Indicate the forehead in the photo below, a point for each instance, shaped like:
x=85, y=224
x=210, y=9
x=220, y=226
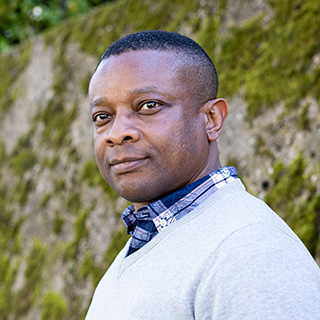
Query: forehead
x=139, y=68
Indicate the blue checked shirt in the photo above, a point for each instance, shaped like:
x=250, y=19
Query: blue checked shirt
x=149, y=220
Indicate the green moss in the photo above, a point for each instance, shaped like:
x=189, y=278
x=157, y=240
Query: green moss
x=56, y=117
x=118, y=240
x=296, y=198
x=269, y=61
x=3, y=153
x=91, y=174
x=36, y=262
x=287, y=182
x=73, y=154
x=34, y=276
x=208, y=32
x=239, y=51
x=273, y=62
x=85, y=83
x=22, y=161
x=303, y=121
x=50, y=163
x=59, y=185
x=7, y=277
x=73, y=202
x=53, y=307
x=98, y=29
x=58, y=223
x=304, y=218
x=90, y=269
x=10, y=223
x=57, y=122
x=262, y=148
x=10, y=237
x=11, y=66
x=22, y=190
x=44, y=200
x=80, y=233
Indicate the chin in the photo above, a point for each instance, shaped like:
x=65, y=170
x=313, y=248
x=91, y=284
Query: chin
x=138, y=195
x=138, y=191
x=135, y=198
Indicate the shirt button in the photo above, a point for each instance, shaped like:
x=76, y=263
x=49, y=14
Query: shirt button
x=163, y=223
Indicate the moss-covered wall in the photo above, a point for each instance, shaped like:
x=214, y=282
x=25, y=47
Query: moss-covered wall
x=60, y=225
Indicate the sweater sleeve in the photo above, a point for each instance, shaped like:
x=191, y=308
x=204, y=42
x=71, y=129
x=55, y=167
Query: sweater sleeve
x=259, y=272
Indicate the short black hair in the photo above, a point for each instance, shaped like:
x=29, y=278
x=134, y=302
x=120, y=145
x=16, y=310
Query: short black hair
x=205, y=79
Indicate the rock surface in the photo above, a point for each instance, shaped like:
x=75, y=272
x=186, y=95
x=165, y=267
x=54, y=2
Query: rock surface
x=60, y=224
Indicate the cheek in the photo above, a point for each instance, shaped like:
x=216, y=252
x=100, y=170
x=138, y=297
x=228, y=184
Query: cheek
x=175, y=145
x=190, y=136
x=96, y=147
x=98, y=142
x=99, y=151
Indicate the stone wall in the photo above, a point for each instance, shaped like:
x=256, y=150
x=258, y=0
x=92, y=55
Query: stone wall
x=60, y=223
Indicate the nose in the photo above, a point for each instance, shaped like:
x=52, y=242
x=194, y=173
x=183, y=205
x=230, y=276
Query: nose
x=123, y=129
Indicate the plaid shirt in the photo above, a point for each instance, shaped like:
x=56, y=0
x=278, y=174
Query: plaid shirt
x=149, y=220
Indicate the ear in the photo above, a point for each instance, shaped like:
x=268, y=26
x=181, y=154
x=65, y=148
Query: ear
x=216, y=112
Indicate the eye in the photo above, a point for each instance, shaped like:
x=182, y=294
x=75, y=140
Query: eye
x=149, y=105
x=100, y=118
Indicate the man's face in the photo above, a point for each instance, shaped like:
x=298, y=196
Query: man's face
x=150, y=134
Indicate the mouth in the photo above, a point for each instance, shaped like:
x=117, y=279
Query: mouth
x=126, y=165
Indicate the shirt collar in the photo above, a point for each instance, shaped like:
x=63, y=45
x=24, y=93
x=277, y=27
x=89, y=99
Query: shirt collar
x=177, y=204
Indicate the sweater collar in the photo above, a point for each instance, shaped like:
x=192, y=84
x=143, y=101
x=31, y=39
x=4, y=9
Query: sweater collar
x=174, y=206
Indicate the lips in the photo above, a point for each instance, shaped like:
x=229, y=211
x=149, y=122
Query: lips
x=126, y=164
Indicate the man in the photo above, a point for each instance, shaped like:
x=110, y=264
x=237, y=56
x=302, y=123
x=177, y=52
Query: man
x=201, y=247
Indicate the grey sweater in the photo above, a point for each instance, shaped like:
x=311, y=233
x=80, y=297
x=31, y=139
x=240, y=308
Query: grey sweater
x=230, y=258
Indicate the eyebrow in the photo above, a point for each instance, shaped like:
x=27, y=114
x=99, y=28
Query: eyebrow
x=135, y=92
x=150, y=89
x=99, y=102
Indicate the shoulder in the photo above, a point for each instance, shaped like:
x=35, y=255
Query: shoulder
x=259, y=266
